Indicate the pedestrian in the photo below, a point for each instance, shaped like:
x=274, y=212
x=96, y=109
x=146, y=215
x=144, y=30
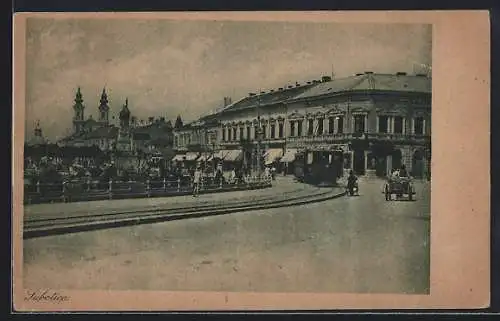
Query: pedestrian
x=196, y=181
x=232, y=176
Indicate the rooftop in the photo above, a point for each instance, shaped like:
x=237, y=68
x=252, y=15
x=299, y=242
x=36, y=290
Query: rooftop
x=371, y=82
x=103, y=132
x=367, y=81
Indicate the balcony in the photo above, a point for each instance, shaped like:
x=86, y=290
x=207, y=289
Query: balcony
x=339, y=139
x=254, y=141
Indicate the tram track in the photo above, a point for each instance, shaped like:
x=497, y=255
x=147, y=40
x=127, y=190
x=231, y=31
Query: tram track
x=200, y=204
x=64, y=225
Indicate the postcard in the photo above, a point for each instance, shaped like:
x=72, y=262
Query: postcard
x=227, y=161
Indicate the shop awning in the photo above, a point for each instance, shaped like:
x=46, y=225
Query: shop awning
x=191, y=156
x=205, y=158
x=221, y=154
x=272, y=154
x=289, y=156
x=233, y=155
x=178, y=158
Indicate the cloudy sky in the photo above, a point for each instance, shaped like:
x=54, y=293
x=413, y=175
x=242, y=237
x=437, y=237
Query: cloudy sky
x=171, y=67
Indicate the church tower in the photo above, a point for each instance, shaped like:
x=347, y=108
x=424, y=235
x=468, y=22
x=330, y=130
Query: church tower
x=38, y=138
x=103, y=109
x=78, y=108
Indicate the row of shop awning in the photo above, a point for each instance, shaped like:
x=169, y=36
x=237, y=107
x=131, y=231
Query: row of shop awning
x=270, y=156
x=227, y=155
x=189, y=156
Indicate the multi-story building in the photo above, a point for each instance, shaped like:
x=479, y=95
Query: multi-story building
x=378, y=121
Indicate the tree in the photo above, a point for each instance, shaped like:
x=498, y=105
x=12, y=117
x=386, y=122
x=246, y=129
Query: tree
x=178, y=122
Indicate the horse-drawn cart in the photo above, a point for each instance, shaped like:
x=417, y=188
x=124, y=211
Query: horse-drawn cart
x=400, y=186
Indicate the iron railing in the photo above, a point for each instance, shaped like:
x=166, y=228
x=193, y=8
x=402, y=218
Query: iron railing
x=81, y=190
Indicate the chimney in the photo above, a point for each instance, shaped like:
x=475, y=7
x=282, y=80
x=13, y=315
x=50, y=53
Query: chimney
x=326, y=78
x=297, y=84
x=400, y=73
x=227, y=101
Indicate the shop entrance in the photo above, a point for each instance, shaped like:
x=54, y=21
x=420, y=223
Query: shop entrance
x=359, y=162
x=418, y=164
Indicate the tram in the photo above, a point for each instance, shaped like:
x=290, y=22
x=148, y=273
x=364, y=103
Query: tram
x=319, y=167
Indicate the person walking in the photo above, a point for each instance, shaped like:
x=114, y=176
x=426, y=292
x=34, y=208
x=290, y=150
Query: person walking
x=196, y=181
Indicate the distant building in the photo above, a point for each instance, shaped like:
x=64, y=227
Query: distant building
x=129, y=136
x=37, y=138
x=378, y=121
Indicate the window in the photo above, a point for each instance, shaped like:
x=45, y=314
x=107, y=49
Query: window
x=299, y=128
x=359, y=123
x=241, y=133
x=273, y=131
x=223, y=134
x=383, y=124
x=320, y=127
x=331, y=125
x=264, y=131
x=292, y=128
x=419, y=126
x=398, y=125
x=310, y=127
x=249, y=133
x=234, y=133
x=340, y=125
x=280, y=130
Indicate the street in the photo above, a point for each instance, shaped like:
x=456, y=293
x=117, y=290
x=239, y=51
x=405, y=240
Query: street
x=350, y=244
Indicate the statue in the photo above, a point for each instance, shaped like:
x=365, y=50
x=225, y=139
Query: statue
x=125, y=116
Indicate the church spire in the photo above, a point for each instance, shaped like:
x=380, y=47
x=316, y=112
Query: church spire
x=104, y=108
x=78, y=110
x=38, y=129
x=104, y=97
x=78, y=96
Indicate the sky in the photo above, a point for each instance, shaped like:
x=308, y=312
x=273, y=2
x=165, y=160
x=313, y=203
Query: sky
x=172, y=67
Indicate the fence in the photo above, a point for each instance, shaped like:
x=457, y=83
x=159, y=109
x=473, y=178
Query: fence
x=87, y=190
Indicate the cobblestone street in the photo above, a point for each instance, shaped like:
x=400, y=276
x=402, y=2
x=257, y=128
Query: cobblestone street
x=350, y=244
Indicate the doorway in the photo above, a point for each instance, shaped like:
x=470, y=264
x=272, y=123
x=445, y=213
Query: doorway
x=359, y=162
x=418, y=164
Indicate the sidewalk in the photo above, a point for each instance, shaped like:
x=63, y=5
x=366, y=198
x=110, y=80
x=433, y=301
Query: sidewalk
x=281, y=185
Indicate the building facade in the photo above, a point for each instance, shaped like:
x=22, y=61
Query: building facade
x=378, y=121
